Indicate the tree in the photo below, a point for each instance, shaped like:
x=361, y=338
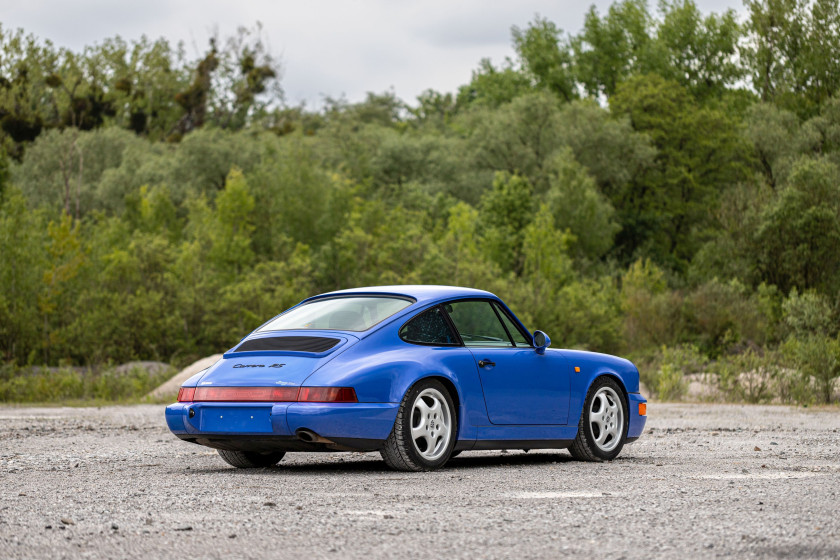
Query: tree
x=700, y=53
x=798, y=235
x=700, y=151
x=546, y=58
x=24, y=111
x=611, y=49
x=519, y=138
x=579, y=208
x=491, y=86
x=22, y=263
x=506, y=210
x=792, y=52
x=233, y=224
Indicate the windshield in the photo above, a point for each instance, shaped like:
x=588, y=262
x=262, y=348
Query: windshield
x=338, y=314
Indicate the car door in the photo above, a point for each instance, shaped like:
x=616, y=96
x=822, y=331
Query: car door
x=520, y=386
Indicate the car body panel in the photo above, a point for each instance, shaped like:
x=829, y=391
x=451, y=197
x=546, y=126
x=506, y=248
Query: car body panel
x=523, y=387
x=526, y=400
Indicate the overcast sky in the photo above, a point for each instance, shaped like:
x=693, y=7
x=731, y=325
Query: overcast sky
x=326, y=47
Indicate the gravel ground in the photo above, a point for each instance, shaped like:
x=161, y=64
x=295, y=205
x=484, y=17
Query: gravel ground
x=704, y=481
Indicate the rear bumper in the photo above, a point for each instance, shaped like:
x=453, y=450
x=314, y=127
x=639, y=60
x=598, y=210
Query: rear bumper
x=637, y=422
x=281, y=422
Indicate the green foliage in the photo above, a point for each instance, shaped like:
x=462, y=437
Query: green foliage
x=668, y=380
x=22, y=263
x=506, y=209
x=546, y=58
x=720, y=314
x=658, y=180
x=519, y=137
x=699, y=151
x=651, y=312
x=701, y=53
x=798, y=235
x=817, y=358
x=587, y=315
x=808, y=314
x=491, y=86
x=59, y=385
x=750, y=377
x=580, y=208
x=612, y=48
x=791, y=51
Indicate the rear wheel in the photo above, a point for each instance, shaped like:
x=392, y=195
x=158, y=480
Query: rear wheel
x=603, y=423
x=249, y=459
x=424, y=431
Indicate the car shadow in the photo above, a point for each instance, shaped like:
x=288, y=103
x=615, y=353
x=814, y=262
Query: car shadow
x=465, y=462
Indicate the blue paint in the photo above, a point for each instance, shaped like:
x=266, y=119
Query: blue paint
x=517, y=395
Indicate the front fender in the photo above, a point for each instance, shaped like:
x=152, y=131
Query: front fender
x=592, y=366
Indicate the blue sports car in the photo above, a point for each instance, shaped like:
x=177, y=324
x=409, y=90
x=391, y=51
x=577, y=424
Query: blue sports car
x=418, y=373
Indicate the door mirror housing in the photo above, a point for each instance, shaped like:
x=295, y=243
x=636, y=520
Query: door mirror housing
x=541, y=341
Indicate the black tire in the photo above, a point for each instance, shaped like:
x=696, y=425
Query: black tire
x=250, y=460
x=601, y=438
x=454, y=454
x=404, y=452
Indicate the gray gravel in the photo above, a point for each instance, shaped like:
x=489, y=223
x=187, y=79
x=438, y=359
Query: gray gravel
x=704, y=481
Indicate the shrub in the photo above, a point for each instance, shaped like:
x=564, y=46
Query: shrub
x=749, y=377
x=817, y=358
x=55, y=385
x=666, y=377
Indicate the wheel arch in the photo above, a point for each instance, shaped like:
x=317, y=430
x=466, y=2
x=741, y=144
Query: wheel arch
x=449, y=385
x=615, y=377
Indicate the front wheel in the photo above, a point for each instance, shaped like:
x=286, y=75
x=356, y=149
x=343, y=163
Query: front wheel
x=603, y=423
x=250, y=460
x=424, y=431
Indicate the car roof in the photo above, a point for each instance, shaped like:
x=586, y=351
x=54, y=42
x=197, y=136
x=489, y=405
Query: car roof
x=421, y=293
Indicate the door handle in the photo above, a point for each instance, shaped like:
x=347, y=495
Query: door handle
x=482, y=363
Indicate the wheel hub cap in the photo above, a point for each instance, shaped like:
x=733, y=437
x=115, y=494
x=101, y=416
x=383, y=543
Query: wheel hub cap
x=431, y=423
x=606, y=419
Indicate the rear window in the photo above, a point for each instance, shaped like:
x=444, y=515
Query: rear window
x=339, y=314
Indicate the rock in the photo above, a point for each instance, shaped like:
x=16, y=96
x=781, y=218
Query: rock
x=171, y=387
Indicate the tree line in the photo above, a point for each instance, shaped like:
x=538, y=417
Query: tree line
x=664, y=184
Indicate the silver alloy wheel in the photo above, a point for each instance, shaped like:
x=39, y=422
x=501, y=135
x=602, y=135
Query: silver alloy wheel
x=431, y=422
x=606, y=418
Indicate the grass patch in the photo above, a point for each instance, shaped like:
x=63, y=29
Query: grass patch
x=82, y=387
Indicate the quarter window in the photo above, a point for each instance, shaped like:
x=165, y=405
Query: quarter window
x=430, y=327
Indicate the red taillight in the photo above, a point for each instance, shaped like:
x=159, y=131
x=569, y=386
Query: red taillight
x=327, y=394
x=267, y=394
x=246, y=394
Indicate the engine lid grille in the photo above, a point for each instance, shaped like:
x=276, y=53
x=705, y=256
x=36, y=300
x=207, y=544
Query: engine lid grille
x=314, y=344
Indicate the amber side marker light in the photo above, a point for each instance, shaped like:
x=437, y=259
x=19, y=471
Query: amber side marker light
x=642, y=409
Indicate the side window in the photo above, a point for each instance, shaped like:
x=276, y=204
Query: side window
x=478, y=324
x=515, y=333
x=430, y=327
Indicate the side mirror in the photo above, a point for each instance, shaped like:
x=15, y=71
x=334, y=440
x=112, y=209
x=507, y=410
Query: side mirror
x=541, y=341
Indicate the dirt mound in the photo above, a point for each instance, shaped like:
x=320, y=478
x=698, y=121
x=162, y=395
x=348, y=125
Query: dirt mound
x=171, y=386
